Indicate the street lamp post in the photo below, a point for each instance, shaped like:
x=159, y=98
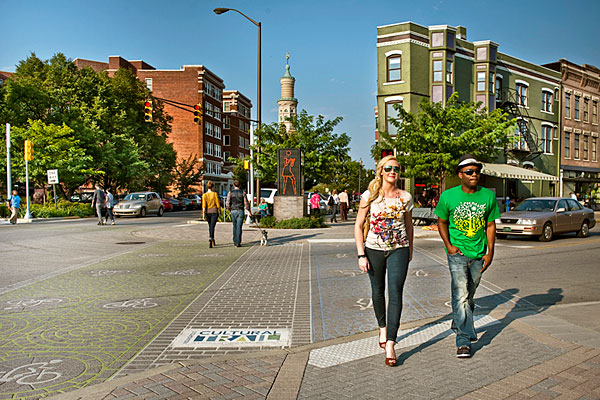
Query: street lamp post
x=219, y=11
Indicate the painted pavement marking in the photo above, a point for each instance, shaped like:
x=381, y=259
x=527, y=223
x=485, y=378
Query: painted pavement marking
x=253, y=337
x=358, y=349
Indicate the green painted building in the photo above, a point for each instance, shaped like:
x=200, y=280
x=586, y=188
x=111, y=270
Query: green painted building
x=415, y=62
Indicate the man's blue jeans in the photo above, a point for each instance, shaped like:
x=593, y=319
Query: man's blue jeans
x=237, y=218
x=465, y=275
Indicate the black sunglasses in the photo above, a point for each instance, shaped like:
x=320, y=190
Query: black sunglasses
x=388, y=168
x=471, y=172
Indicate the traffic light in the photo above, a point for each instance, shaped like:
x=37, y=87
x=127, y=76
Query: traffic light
x=28, y=150
x=148, y=111
x=387, y=152
x=198, y=113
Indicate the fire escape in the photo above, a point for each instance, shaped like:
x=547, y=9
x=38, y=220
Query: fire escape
x=527, y=147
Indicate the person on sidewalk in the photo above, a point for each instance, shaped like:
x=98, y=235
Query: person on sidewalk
x=237, y=203
x=333, y=201
x=344, y=205
x=388, y=247
x=211, y=208
x=466, y=216
x=263, y=208
x=108, y=205
x=14, y=203
x=315, y=205
x=98, y=200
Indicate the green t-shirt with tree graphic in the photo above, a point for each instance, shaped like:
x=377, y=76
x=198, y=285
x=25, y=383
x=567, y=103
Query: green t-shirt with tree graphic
x=467, y=215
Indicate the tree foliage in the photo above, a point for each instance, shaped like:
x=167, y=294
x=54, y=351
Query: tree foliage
x=429, y=143
x=187, y=174
x=104, y=117
x=325, y=153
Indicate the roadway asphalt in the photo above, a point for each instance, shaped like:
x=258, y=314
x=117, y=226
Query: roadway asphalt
x=170, y=318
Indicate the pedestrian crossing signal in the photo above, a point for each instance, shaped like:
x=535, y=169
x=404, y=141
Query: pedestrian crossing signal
x=148, y=111
x=197, y=113
x=387, y=152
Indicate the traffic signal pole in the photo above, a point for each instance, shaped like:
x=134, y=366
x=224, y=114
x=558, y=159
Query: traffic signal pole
x=27, y=214
x=8, y=177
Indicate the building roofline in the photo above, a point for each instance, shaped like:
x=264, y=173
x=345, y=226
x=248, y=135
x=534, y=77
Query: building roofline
x=401, y=23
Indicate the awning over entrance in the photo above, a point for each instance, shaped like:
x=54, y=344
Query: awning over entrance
x=512, y=172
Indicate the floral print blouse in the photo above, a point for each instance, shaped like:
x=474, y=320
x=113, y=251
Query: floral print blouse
x=387, y=228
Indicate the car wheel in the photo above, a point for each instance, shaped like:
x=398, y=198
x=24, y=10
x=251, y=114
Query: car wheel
x=143, y=212
x=160, y=212
x=584, y=231
x=547, y=233
x=501, y=235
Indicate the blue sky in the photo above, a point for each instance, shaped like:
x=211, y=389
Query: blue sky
x=331, y=43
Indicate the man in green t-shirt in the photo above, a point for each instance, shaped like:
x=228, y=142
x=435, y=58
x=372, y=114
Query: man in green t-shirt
x=466, y=216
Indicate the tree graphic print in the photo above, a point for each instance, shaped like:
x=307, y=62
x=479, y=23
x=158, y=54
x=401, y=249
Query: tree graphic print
x=469, y=218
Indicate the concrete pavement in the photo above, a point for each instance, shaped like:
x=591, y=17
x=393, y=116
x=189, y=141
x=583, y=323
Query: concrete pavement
x=522, y=352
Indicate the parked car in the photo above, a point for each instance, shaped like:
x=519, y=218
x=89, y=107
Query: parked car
x=82, y=197
x=167, y=205
x=545, y=216
x=196, y=200
x=139, y=204
x=265, y=193
x=177, y=204
x=187, y=203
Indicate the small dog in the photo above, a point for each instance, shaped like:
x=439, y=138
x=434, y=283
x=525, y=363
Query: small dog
x=263, y=239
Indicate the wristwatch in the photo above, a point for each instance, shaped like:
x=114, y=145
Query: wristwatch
x=361, y=255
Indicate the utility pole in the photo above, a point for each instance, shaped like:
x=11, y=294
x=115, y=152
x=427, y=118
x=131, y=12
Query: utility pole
x=8, y=178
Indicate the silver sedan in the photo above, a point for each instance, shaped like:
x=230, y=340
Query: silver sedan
x=545, y=216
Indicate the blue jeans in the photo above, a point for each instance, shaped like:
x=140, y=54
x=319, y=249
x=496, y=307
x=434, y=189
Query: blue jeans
x=395, y=263
x=237, y=218
x=465, y=275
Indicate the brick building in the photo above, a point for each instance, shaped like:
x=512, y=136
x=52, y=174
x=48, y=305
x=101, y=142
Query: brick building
x=183, y=88
x=415, y=62
x=236, y=127
x=579, y=163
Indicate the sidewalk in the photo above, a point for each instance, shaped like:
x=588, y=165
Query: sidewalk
x=521, y=353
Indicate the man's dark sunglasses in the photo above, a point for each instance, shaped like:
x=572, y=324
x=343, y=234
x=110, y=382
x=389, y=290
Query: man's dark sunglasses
x=471, y=171
x=388, y=168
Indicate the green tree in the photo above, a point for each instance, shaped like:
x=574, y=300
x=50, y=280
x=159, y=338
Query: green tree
x=430, y=142
x=55, y=147
x=187, y=174
x=324, y=152
x=105, y=115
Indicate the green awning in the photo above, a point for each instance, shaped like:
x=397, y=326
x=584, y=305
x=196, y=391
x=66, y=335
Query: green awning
x=512, y=172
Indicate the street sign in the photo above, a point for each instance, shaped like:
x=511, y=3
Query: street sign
x=52, y=176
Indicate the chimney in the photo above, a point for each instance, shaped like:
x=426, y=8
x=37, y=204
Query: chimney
x=461, y=32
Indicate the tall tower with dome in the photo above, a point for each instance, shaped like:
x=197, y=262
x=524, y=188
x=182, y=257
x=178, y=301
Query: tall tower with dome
x=288, y=104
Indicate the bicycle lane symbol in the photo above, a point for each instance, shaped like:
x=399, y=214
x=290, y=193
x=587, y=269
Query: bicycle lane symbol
x=32, y=373
x=133, y=303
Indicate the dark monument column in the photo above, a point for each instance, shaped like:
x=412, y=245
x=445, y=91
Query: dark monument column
x=290, y=201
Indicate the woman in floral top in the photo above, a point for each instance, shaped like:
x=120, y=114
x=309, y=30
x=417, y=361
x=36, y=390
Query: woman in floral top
x=388, y=248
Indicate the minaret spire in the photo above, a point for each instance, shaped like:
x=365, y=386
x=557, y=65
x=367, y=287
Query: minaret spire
x=288, y=104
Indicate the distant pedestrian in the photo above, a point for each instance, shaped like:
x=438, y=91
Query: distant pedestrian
x=98, y=200
x=237, y=203
x=108, y=206
x=466, y=225
x=344, y=205
x=386, y=248
x=14, y=202
x=573, y=196
x=315, y=205
x=211, y=207
x=333, y=202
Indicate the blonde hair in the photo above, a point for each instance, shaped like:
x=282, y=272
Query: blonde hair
x=375, y=185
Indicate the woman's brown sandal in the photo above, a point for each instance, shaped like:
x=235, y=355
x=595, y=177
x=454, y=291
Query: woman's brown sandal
x=390, y=362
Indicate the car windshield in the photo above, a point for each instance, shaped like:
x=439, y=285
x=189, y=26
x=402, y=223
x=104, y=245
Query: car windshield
x=536, y=205
x=135, y=196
